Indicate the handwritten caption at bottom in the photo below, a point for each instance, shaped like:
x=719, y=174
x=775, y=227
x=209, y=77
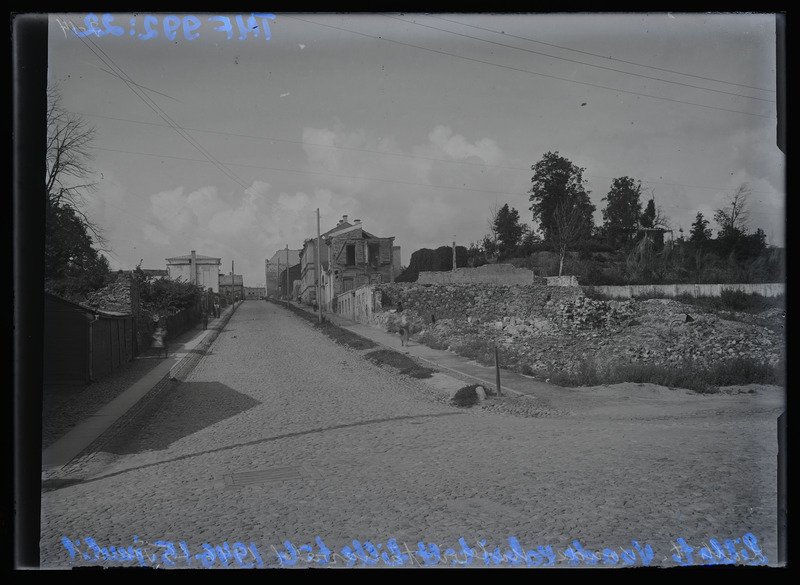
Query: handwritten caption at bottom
x=166, y=554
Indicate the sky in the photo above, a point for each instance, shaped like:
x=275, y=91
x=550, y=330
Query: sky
x=420, y=125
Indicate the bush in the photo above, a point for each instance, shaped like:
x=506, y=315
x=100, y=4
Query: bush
x=165, y=295
x=466, y=397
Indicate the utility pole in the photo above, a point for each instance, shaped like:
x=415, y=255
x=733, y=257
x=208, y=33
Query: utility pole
x=278, y=280
x=266, y=278
x=287, y=274
x=318, y=270
x=454, y=253
x=233, y=293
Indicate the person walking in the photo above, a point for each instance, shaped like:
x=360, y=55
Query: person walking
x=160, y=338
x=205, y=319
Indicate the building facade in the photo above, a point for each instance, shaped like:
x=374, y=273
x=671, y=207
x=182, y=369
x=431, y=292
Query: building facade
x=202, y=271
x=254, y=293
x=276, y=265
x=349, y=257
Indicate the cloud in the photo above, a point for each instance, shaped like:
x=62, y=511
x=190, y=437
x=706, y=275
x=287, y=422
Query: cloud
x=154, y=235
x=458, y=147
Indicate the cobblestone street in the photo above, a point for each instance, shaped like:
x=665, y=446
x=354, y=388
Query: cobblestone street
x=281, y=439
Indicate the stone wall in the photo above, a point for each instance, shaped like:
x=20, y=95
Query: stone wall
x=472, y=302
x=498, y=274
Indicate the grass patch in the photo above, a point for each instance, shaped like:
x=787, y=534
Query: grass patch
x=476, y=348
x=339, y=335
x=734, y=300
x=688, y=375
x=400, y=362
x=345, y=337
x=729, y=300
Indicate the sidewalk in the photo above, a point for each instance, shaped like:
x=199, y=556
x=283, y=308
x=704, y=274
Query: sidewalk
x=511, y=383
x=80, y=437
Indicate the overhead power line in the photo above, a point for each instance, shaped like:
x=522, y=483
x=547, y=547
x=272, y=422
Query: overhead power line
x=581, y=62
x=607, y=57
x=134, y=87
x=519, y=70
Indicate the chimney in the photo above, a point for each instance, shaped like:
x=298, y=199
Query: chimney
x=344, y=218
x=356, y=221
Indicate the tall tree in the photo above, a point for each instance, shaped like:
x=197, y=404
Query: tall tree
x=73, y=264
x=623, y=210
x=648, y=217
x=557, y=181
x=508, y=229
x=700, y=231
x=569, y=227
x=68, y=175
x=733, y=218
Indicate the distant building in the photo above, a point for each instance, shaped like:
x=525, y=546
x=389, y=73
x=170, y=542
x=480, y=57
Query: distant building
x=196, y=269
x=232, y=285
x=294, y=277
x=254, y=293
x=276, y=264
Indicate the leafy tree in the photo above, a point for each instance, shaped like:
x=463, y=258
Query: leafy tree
x=509, y=230
x=558, y=182
x=528, y=243
x=623, y=211
x=73, y=265
x=165, y=296
x=700, y=232
x=648, y=217
x=427, y=260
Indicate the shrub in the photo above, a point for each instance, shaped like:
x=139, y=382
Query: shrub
x=465, y=397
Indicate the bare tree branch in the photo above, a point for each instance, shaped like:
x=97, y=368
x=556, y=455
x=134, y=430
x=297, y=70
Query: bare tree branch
x=68, y=175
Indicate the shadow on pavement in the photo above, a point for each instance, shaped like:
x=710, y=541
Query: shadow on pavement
x=183, y=410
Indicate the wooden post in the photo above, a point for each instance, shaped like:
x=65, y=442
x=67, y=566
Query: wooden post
x=318, y=271
x=287, y=274
x=497, y=371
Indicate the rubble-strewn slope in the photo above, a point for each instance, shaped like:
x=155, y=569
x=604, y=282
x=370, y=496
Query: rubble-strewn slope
x=567, y=334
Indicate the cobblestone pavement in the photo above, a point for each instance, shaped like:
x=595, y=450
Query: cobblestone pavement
x=281, y=444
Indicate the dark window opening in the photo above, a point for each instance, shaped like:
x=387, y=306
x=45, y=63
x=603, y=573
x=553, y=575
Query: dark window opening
x=351, y=255
x=374, y=251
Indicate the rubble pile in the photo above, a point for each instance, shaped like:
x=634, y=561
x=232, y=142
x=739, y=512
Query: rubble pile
x=585, y=313
x=567, y=335
x=115, y=297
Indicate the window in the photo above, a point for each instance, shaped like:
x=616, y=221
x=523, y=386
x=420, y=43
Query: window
x=374, y=251
x=351, y=255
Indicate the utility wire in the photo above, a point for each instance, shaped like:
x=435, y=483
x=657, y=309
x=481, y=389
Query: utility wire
x=582, y=62
x=106, y=59
x=705, y=78
x=517, y=69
